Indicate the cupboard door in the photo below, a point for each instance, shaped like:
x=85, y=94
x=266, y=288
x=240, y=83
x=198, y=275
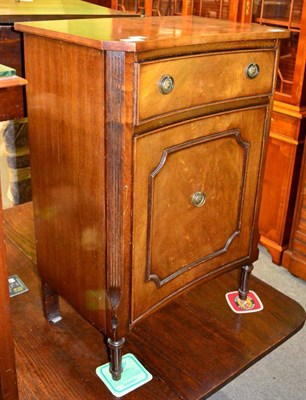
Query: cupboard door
x=195, y=185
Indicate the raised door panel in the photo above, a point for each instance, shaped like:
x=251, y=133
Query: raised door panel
x=175, y=242
x=192, y=183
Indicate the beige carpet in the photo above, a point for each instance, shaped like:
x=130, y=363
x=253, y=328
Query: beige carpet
x=281, y=375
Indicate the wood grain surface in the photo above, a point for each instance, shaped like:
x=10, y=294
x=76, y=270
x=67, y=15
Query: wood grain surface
x=21, y=234
x=144, y=34
x=192, y=346
x=8, y=383
x=68, y=177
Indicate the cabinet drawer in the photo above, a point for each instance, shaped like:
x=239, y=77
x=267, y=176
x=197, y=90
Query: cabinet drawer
x=195, y=83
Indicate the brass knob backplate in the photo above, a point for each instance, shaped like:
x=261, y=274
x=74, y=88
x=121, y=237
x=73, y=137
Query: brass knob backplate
x=166, y=84
x=198, y=199
x=252, y=70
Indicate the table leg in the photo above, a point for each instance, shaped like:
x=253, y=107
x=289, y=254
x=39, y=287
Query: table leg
x=244, y=281
x=50, y=304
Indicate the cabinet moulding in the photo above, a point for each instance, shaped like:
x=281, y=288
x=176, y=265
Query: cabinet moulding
x=150, y=275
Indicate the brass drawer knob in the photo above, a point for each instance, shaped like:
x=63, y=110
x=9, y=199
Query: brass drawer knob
x=252, y=70
x=198, y=199
x=166, y=84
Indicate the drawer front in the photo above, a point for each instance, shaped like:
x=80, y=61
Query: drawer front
x=200, y=80
x=194, y=193
x=11, y=103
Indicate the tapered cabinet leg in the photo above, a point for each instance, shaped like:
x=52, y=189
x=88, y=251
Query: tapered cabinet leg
x=244, y=281
x=50, y=303
x=116, y=357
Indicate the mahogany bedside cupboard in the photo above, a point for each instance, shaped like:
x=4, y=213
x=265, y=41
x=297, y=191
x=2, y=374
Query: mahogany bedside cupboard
x=147, y=142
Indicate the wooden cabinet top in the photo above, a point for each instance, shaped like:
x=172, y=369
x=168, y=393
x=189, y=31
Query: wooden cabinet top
x=12, y=10
x=150, y=33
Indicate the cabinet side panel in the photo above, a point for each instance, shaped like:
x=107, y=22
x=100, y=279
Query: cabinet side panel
x=66, y=136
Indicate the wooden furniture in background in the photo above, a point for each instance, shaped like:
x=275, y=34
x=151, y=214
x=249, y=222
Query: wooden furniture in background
x=204, y=8
x=155, y=187
x=63, y=357
x=148, y=8
x=295, y=256
x=286, y=140
x=9, y=109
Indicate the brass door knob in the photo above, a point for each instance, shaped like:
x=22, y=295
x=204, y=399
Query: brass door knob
x=166, y=84
x=252, y=70
x=198, y=199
